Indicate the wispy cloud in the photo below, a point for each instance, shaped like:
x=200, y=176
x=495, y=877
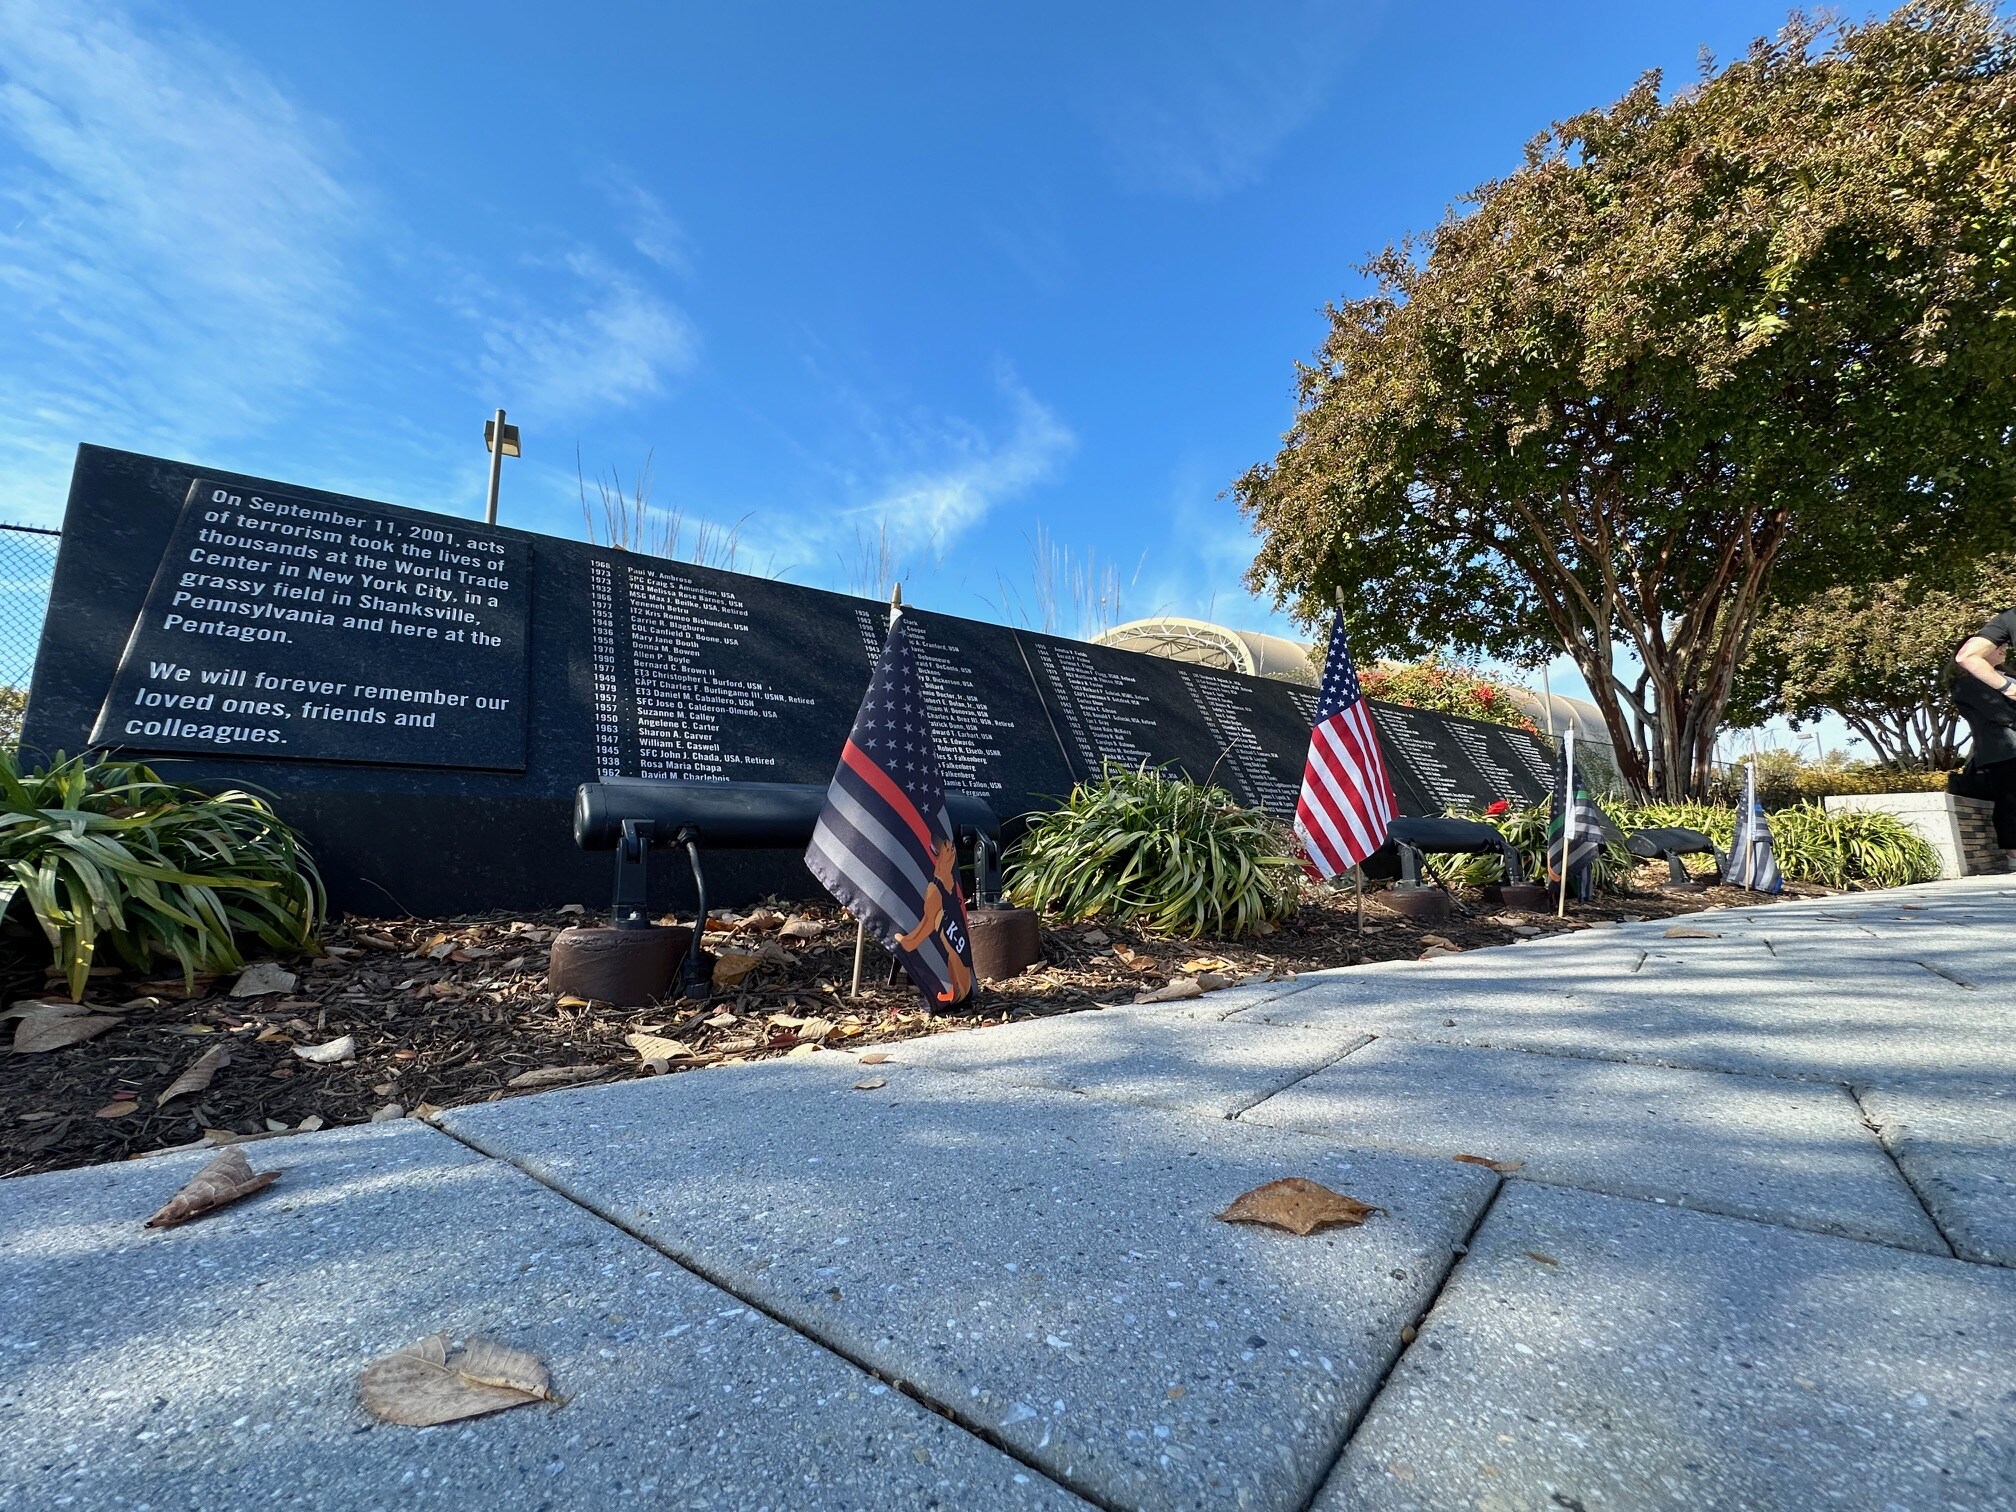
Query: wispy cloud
x=603, y=339
x=971, y=472
x=1207, y=108
x=173, y=234
x=653, y=231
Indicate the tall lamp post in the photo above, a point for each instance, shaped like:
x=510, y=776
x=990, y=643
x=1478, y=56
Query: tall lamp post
x=501, y=441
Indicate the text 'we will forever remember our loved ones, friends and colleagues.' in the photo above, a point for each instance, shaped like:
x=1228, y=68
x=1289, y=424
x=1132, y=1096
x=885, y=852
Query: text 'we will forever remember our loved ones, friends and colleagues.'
x=293, y=628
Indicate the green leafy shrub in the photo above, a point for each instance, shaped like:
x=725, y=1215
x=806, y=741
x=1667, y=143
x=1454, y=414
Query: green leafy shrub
x=13, y=708
x=1447, y=688
x=1783, y=779
x=1159, y=851
x=1854, y=848
x=105, y=852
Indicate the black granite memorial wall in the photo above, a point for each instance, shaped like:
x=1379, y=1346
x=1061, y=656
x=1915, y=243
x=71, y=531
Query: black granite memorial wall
x=422, y=694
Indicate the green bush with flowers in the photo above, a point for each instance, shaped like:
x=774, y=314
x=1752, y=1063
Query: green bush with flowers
x=1446, y=688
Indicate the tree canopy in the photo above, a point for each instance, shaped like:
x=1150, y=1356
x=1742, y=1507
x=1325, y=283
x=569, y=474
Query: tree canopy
x=1878, y=656
x=1757, y=334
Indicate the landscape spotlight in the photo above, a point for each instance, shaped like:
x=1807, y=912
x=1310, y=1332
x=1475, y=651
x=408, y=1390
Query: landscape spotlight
x=501, y=441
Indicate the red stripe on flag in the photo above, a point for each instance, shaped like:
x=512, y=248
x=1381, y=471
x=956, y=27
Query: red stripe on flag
x=894, y=796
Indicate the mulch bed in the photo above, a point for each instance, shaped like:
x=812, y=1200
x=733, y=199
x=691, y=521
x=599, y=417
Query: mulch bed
x=452, y=1011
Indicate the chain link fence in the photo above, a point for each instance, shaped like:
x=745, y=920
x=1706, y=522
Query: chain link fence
x=27, y=561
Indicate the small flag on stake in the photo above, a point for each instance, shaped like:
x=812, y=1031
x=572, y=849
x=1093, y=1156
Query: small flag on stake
x=1753, y=863
x=883, y=844
x=1347, y=804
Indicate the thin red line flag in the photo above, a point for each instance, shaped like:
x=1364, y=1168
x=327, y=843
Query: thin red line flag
x=1347, y=802
x=883, y=845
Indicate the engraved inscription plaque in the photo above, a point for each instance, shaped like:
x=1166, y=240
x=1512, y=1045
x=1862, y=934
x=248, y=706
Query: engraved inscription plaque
x=294, y=629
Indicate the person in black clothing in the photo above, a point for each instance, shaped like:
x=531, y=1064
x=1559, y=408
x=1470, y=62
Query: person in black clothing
x=1986, y=695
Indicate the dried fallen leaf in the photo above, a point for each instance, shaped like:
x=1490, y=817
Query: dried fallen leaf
x=1542, y=1258
x=311, y=1123
x=872, y=1084
x=118, y=1109
x=198, y=1076
x=58, y=1028
x=815, y=1030
x=657, y=1047
x=224, y=1180
x=556, y=1076
x=1502, y=1167
x=1207, y=963
x=875, y=1058
x=571, y=1001
x=344, y=1049
x=732, y=968
x=1442, y=942
x=1688, y=932
x=1180, y=987
x=388, y=1114
x=1134, y=960
x=422, y=1385
x=1297, y=1204
x=262, y=977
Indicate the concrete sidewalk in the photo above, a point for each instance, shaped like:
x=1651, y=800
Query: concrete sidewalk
x=1760, y=1251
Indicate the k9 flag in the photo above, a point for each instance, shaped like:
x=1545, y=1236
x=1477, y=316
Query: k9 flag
x=883, y=845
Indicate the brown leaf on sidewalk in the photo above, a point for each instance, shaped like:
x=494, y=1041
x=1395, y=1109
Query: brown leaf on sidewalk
x=1502, y=1167
x=199, y=1074
x=1688, y=932
x=872, y=1084
x=1297, y=1204
x=58, y=1028
x=875, y=1058
x=1544, y=1259
x=423, y=1384
x=224, y=1180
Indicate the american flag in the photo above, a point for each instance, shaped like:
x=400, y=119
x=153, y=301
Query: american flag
x=883, y=845
x=1347, y=802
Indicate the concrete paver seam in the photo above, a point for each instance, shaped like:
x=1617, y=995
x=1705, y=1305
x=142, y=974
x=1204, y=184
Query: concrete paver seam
x=1564, y=1052
x=1238, y=1114
x=908, y=1389
x=1931, y=1217
x=1462, y=1253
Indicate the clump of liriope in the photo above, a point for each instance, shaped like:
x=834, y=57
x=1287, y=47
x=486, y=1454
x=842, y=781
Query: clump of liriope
x=104, y=853
x=1155, y=850
x=1849, y=848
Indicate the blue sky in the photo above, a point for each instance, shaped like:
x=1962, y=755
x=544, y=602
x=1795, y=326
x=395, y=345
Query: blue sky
x=976, y=277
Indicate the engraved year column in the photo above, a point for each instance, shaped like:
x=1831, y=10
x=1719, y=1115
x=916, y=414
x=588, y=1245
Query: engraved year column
x=608, y=698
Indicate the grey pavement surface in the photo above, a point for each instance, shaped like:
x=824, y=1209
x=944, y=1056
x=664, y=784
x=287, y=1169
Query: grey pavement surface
x=215, y=1365
x=1719, y=1280
x=1044, y=1266
x=1960, y=1153
x=1598, y=1353
x=1786, y=1152
x=1138, y=1055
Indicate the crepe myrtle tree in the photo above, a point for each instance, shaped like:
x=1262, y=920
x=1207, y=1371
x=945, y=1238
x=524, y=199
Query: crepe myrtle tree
x=1758, y=336
x=1878, y=656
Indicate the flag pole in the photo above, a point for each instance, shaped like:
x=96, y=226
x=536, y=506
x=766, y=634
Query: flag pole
x=860, y=927
x=1358, y=872
x=1567, y=815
